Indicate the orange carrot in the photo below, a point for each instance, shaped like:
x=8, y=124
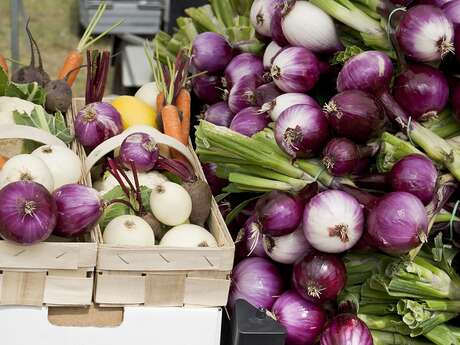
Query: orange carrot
x=183, y=105
x=160, y=102
x=172, y=125
x=3, y=63
x=2, y=161
x=71, y=65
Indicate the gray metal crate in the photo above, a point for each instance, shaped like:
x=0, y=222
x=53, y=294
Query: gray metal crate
x=140, y=16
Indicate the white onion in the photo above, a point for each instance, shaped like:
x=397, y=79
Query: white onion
x=270, y=52
x=288, y=248
x=333, y=221
x=128, y=230
x=260, y=16
x=281, y=103
x=170, y=203
x=65, y=166
x=26, y=168
x=148, y=93
x=188, y=235
x=308, y=26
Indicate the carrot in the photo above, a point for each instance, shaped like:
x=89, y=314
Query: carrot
x=3, y=63
x=73, y=61
x=183, y=101
x=172, y=125
x=160, y=102
x=2, y=161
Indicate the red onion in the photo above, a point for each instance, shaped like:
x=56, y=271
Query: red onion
x=28, y=212
x=249, y=121
x=346, y=329
x=340, y=156
x=211, y=52
x=141, y=149
x=319, y=277
x=279, y=213
x=287, y=249
x=438, y=3
x=355, y=115
x=251, y=238
x=266, y=93
x=422, y=91
x=78, y=209
x=208, y=88
x=242, y=94
x=243, y=65
x=295, y=69
x=333, y=221
x=452, y=11
x=97, y=122
x=261, y=15
x=302, y=319
x=302, y=131
x=398, y=223
x=219, y=114
x=415, y=174
x=256, y=280
x=425, y=33
x=215, y=183
x=269, y=55
x=287, y=100
x=276, y=29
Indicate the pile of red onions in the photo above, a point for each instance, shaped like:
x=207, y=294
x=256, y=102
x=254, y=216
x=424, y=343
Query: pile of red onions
x=249, y=121
x=211, y=52
x=346, y=329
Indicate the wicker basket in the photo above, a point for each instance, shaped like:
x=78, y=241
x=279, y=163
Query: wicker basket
x=49, y=273
x=159, y=276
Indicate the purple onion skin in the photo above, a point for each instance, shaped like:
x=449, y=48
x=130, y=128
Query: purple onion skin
x=215, y=183
x=207, y=88
x=249, y=121
x=219, y=114
x=28, y=212
x=362, y=167
x=398, y=223
x=251, y=239
x=141, y=149
x=457, y=42
x=340, y=156
x=295, y=69
x=78, y=209
x=302, y=319
x=211, y=52
x=422, y=91
x=437, y=3
x=455, y=98
x=319, y=277
x=452, y=11
x=258, y=281
x=415, y=174
x=242, y=65
x=412, y=30
x=279, y=213
x=96, y=123
x=266, y=93
x=276, y=28
x=346, y=329
x=355, y=115
x=302, y=131
x=242, y=95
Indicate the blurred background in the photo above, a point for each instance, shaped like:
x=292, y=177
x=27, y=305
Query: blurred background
x=57, y=26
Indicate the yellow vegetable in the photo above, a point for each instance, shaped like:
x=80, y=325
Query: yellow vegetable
x=133, y=111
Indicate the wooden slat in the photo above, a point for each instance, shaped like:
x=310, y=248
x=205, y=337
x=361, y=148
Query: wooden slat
x=68, y=290
x=120, y=289
x=206, y=291
x=23, y=288
x=165, y=290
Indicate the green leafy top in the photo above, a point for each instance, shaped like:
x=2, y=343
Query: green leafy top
x=31, y=92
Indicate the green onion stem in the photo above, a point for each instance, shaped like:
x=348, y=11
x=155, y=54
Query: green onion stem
x=388, y=338
x=388, y=323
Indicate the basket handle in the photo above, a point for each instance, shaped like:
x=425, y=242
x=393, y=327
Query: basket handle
x=29, y=133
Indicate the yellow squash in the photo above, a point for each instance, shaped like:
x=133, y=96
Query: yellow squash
x=133, y=111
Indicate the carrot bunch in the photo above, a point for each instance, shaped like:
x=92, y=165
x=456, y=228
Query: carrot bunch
x=3, y=63
x=74, y=59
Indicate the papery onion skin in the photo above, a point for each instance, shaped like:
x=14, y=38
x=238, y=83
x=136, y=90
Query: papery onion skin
x=141, y=149
x=302, y=319
x=333, y=221
x=97, y=122
x=425, y=33
x=242, y=95
x=279, y=213
x=346, y=329
x=276, y=27
x=398, y=223
x=295, y=69
x=249, y=121
x=219, y=114
x=287, y=249
x=261, y=15
x=211, y=52
x=251, y=238
x=258, y=281
x=415, y=174
x=28, y=212
x=270, y=52
x=301, y=131
x=340, y=156
x=452, y=11
x=207, y=88
x=243, y=65
x=308, y=26
x=422, y=91
x=78, y=209
x=319, y=277
x=287, y=100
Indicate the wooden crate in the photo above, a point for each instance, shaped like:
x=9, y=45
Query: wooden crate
x=159, y=276
x=49, y=273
